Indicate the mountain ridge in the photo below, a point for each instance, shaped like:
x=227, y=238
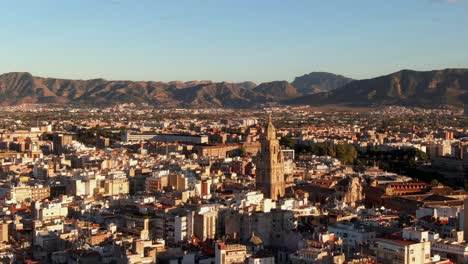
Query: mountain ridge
x=404, y=87
x=316, y=82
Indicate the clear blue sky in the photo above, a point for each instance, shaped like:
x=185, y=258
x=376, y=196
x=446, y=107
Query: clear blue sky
x=232, y=40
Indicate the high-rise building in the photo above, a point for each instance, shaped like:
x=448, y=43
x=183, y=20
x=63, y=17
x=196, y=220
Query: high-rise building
x=270, y=165
x=60, y=141
x=205, y=223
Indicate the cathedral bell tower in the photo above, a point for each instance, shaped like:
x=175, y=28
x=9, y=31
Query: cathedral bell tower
x=270, y=165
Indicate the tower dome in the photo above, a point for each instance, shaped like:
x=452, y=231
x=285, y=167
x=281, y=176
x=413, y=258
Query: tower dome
x=255, y=240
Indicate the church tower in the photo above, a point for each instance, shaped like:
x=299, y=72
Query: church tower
x=270, y=165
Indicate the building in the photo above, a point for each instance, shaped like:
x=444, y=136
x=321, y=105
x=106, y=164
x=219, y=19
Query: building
x=177, y=181
x=465, y=218
x=353, y=236
x=173, y=224
x=39, y=193
x=271, y=227
x=261, y=259
x=288, y=154
x=441, y=212
x=23, y=193
x=19, y=194
x=315, y=255
x=50, y=210
x=3, y=232
x=349, y=190
x=205, y=223
x=189, y=139
x=102, y=142
x=403, y=188
x=156, y=182
x=137, y=225
x=82, y=187
x=453, y=169
x=248, y=122
x=400, y=251
x=136, y=137
x=230, y=254
x=117, y=186
x=456, y=251
x=246, y=199
x=181, y=230
x=270, y=165
x=448, y=135
x=60, y=141
x=172, y=138
x=220, y=151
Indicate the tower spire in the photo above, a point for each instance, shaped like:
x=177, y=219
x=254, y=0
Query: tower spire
x=270, y=133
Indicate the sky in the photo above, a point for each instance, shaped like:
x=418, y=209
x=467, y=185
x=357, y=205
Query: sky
x=230, y=40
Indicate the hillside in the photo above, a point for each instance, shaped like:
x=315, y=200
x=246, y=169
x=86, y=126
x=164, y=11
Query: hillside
x=277, y=90
x=406, y=87
x=316, y=82
x=18, y=87
x=216, y=95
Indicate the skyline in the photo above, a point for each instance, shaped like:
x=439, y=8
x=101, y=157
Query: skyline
x=226, y=41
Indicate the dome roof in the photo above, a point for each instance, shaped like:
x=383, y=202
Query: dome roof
x=255, y=240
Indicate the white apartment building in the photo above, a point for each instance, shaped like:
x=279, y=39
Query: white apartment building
x=351, y=234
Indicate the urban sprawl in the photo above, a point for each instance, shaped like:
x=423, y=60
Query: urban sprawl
x=137, y=184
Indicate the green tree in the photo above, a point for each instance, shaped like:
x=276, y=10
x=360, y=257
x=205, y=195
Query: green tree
x=287, y=141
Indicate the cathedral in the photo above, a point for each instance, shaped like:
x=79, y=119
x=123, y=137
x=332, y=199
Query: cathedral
x=270, y=165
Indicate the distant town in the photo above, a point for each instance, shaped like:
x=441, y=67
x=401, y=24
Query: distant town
x=134, y=183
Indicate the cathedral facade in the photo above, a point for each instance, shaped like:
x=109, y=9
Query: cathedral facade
x=270, y=165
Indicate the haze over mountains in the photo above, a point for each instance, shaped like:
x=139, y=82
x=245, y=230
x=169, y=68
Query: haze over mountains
x=406, y=87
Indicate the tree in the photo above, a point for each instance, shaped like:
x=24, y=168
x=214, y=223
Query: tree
x=287, y=141
x=346, y=153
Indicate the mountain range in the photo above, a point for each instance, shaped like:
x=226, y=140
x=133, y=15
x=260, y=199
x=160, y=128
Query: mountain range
x=411, y=88
x=406, y=87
